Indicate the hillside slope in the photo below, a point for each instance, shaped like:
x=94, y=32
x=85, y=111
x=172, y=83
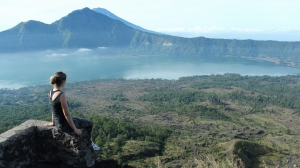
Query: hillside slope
x=178, y=123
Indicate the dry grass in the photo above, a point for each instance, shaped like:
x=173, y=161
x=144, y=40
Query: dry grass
x=210, y=162
x=207, y=161
x=96, y=98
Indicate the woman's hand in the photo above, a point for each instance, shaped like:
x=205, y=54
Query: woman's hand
x=49, y=124
x=78, y=131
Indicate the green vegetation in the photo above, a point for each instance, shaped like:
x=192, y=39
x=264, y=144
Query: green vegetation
x=181, y=102
x=187, y=122
x=15, y=115
x=112, y=135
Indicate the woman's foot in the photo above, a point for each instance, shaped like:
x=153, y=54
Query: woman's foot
x=95, y=147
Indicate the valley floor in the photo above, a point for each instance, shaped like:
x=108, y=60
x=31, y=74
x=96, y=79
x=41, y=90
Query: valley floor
x=179, y=123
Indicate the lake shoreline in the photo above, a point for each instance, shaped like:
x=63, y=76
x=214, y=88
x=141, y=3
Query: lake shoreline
x=36, y=70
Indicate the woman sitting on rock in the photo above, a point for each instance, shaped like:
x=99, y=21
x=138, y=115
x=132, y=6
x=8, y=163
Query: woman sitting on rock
x=61, y=117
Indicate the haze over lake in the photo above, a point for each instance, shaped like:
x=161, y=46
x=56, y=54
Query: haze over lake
x=29, y=69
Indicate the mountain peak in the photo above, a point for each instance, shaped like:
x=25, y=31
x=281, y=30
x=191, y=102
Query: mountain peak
x=115, y=17
x=81, y=11
x=86, y=20
x=86, y=9
x=80, y=28
x=105, y=12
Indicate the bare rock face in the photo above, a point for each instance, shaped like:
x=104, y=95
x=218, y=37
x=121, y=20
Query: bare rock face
x=31, y=143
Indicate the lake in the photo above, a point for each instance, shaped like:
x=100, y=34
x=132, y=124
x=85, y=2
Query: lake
x=35, y=69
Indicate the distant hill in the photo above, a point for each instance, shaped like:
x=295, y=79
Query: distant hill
x=86, y=28
x=81, y=28
x=113, y=16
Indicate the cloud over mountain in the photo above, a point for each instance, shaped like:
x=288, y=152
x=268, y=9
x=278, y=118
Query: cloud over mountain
x=235, y=33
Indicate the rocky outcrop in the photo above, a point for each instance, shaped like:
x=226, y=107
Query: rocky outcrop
x=31, y=143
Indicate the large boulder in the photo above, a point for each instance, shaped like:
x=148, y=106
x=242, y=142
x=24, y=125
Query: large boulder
x=32, y=142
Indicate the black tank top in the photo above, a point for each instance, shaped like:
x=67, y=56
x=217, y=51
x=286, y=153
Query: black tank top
x=58, y=115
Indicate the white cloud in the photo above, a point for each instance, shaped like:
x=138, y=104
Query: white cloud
x=247, y=30
x=83, y=50
x=216, y=29
x=103, y=47
x=234, y=33
x=56, y=55
x=167, y=44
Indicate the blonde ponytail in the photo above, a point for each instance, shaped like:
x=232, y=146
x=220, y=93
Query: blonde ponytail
x=53, y=79
x=58, y=78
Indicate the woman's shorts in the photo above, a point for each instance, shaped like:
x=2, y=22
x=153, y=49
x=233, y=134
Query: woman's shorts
x=80, y=123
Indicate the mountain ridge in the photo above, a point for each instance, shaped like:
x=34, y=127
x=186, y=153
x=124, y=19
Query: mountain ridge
x=86, y=28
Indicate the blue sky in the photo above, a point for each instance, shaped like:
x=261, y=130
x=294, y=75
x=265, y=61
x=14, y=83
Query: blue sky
x=240, y=19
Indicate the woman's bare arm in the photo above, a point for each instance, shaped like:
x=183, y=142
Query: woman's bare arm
x=53, y=122
x=65, y=108
x=50, y=124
